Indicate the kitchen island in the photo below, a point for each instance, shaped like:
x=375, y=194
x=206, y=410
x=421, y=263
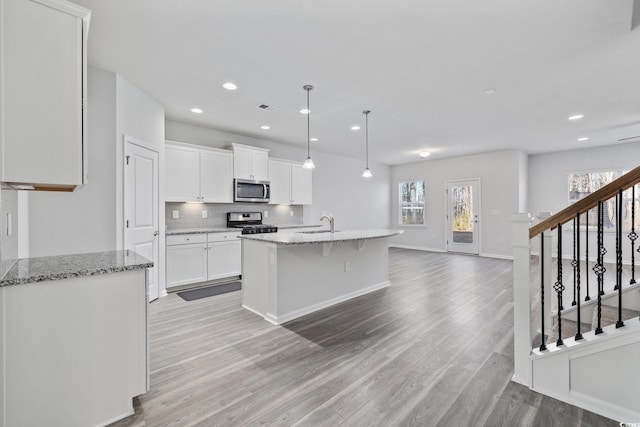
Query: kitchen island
x=73, y=339
x=290, y=274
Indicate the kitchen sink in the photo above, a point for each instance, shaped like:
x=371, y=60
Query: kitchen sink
x=317, y=231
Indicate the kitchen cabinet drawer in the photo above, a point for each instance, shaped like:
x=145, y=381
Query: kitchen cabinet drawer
x=223, y=237
x=183, y=239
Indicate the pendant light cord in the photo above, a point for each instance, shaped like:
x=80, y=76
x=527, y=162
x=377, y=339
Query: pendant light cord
x=308, y=88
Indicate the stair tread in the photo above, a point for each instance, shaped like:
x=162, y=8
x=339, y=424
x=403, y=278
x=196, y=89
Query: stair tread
x=609, y=315
x=569, y=330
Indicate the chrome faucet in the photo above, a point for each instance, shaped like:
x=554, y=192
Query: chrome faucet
x=330, y=218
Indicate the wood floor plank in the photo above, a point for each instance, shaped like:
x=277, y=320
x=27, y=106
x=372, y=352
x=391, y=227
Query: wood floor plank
x=435, y=348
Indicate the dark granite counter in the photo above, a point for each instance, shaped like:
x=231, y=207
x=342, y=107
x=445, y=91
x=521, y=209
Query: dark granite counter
x=30, y=270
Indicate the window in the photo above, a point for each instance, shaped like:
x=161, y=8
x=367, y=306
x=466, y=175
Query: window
x=411, y=203
x=582, y=184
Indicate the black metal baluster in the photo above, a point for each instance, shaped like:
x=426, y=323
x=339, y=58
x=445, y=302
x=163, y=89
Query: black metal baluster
x=586, y=255
x=577, y=282
x=574, y=263
x=599, y=267
x=633, y=235
x=543, y=345
x=558, y=286
x=619, y=323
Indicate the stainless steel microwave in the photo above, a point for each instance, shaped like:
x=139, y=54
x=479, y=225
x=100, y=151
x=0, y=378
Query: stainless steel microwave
x=246, y=190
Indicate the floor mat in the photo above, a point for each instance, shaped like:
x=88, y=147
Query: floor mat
x=210, y=291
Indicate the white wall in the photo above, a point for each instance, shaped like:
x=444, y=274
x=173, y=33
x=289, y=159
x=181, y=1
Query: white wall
x=338, y=187
x=141, y=117
x=91, y=218
x=82, y=221
x=500, y=174
x=548, y=186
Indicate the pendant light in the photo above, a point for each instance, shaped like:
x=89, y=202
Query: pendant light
x=367, y=172
x=308, y=163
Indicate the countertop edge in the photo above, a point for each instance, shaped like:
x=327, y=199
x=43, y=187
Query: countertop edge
x=311, y=239
x=21, y=273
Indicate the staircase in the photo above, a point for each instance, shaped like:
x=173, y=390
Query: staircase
x=577, y=307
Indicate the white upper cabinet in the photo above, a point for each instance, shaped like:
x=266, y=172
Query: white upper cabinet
x=250, y=162
x=280, y=178
x=301, y=185
x=43, y=73
x=182, y=174
x=291, y=184
x=216, y=176
x=198, y=175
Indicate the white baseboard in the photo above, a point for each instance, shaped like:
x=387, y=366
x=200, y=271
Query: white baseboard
x=421, y=248
x=486, y=255
x=416, y=248
x=286, y=317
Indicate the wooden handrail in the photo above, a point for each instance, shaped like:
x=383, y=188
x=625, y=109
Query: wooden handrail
x=627, y=180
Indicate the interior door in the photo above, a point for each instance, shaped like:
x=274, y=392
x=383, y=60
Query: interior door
x=141, y=199
x=463, y=206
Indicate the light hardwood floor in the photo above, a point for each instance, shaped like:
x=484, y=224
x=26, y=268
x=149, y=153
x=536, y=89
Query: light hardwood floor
x=433, y=349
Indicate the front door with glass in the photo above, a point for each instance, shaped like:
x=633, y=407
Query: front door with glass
x=463, y=203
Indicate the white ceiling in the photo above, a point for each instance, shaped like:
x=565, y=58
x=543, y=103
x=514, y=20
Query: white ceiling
x=421, y=66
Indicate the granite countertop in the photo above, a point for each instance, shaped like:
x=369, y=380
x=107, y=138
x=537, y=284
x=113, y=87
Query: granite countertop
x=42, y=269
x=178, y=231
x=301, y=238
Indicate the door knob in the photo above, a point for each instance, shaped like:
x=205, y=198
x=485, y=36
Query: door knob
x=155, y=233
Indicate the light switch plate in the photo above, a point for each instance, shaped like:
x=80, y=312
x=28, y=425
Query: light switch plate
x=176, y=214
x=265, y=214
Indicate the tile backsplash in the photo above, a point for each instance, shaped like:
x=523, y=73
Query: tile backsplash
x=190, y=214
x=8, y=230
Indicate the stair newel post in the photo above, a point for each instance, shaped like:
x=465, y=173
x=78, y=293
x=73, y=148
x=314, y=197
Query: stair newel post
x=633, y=235
x=559, y=287
x=599, y=267
x=586, y=254
x=521, y=298
x=619, y=226
x=543, y=346
x=574, y=263
x=576, y=223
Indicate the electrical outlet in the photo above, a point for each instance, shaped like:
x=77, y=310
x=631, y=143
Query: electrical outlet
x=205, y=214
x=291, y=213
x=265, y=214
x=347, y=267
x=176, y=214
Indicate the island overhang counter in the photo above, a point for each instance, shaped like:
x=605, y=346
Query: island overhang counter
x=287, y=275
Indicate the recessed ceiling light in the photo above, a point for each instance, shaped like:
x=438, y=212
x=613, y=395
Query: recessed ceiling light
x=355, y=127
x=196, y=110
x=314, y=139
x=490, y=91
x=265, y=127
x=584, y=138
x=230, y=86
x=576, y=117
x=424, y=154
x=305, y=111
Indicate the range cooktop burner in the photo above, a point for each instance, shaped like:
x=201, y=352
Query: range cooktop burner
x=249, y=222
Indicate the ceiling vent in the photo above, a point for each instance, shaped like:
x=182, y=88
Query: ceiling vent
x=266, y=107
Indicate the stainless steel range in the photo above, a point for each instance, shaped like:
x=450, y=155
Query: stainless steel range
x=249, y=222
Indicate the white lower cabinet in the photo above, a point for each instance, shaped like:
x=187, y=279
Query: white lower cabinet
x=195, y=258
x=224, y=259
x=186, y=259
